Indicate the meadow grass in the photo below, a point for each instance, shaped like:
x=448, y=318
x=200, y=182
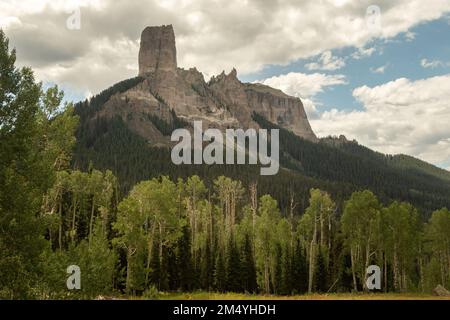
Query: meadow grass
x=330, y=296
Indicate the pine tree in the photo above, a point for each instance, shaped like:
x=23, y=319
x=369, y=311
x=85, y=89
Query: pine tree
x=173, y=271
x=155, y=266
x=206, y=267
x=248, y=270
x=299, y=270
x=345, y=273
x=164, y=272
x=36, y=137
x=220, y=273
x=277, y=278
x=321, y=279
x=233, y=267
x=286, y=286
x=185, y=260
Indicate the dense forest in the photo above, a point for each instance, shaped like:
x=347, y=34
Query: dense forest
x=180, y=235
x=339, y=169
x=146, y=226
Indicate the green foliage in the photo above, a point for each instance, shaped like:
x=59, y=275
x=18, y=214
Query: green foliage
x=96, y=103
x=147, y=223
x=166, y=128
x=233, y=281
x=36, y=137
x=151, y=293
x=248, y=270
x=186, y=279
x=96, y=261
x=360, y=226
x=389, y=177
x=197, y=228
x=321, y=278
x=220, y=275
x=265, y=243
x=437, y=248
x=299, y=271
x=400, y=240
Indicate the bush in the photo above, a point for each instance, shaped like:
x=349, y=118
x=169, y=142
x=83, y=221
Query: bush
x=151, y=293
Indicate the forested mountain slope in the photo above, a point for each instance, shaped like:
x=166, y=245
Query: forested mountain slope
x=339, y=168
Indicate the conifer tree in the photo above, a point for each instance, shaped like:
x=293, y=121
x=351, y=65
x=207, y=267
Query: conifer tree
x=299, y=270
x=321, y=280
x=220, y=273
x=155, y=266
x=185, y=260
x=206, y=271
x=248, y=270
x=233, y=267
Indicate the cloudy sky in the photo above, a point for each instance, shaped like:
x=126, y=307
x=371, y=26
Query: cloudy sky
x=377, y=71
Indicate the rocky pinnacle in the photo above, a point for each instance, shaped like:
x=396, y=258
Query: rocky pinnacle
x=222, y=102
x=157, y=50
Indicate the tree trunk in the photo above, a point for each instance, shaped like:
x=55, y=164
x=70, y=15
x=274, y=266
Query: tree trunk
x=291, y=213
x=322, y=229
x=385, y=272
x=254, y=207
x=352, y=258
x=396, y=272
x=421, y=271
x=149, y=253
x=91, y=222
x=329, y=236
x=160, y=251
x=266, y=277
x=128, y=281
x=60, y=226
x=312, y=256
x=366, y=265
x=73, y=220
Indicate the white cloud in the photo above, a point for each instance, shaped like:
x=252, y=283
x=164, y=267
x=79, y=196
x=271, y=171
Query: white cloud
x=379, y=69
x=363, y=53
x=106, y=61
x=400, y=116
x=211, y=35
x=326, y=62
x=305, y=86
x=410, y=36
x=431, y=64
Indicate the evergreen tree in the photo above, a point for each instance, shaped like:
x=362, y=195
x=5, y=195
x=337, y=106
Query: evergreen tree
x=206, y=272
x=173, y=271
x=321, y=279
x=345, y=273
x=185, y=260
x=36, y=138
x=248, y=270
x=233, y=268
x=155, y=266
x=277, y=281
x=299, y=270
x=220, y=273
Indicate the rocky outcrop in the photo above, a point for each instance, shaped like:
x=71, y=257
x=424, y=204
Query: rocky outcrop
x=223, y=102
x=441, y=291
x=337, y=141
x=157, y=50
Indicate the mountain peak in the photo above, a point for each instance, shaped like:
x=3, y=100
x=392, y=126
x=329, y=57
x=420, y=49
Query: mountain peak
x=223, y=102
x=233, y=73
x=157, y=50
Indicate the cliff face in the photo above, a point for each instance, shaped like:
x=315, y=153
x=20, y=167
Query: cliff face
x=223, y=102
x=157, y=51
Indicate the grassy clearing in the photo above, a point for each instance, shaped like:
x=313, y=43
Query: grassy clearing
x=331, y=296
